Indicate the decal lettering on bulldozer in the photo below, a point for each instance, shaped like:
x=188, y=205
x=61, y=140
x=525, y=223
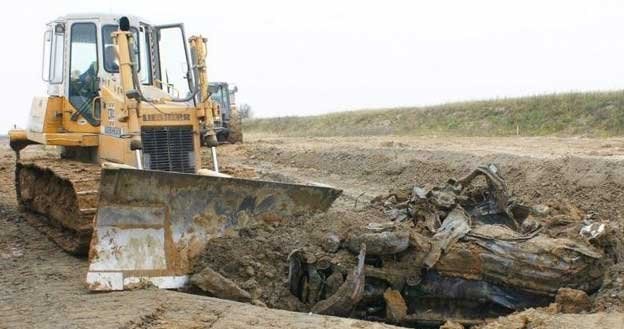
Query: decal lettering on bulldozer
x=167, y=117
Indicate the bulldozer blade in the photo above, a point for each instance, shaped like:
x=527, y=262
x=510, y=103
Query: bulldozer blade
x=149, y=224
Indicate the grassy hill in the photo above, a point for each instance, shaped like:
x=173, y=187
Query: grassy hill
x=585, y=114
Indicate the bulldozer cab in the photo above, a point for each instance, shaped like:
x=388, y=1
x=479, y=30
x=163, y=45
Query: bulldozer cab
x=126, y=89
x=220, y=93
x=79, y=53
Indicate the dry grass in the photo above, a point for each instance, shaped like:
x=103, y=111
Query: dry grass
x=571, y=114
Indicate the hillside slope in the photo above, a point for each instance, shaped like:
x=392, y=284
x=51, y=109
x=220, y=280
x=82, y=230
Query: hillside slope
x=584, y=114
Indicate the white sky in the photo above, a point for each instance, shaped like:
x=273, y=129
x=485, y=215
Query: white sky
x=310, y=57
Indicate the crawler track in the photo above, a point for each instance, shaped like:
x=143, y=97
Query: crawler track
x=60, y=198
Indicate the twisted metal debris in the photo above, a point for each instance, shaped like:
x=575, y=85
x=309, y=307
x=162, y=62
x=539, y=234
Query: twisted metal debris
x=463, y=250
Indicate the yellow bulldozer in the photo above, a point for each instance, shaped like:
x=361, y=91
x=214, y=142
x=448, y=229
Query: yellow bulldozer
x=128, y=104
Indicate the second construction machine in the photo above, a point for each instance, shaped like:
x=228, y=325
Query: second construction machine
x=128, y=103
x=228, y=126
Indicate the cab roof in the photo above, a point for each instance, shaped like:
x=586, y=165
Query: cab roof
x=102, y=17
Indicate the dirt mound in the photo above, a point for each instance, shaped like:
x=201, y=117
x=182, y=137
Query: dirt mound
x=542, y=318
x=572, y=301
x=256, y=257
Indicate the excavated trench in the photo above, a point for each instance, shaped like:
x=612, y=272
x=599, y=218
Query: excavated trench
x=466, y=250
x=507, y=261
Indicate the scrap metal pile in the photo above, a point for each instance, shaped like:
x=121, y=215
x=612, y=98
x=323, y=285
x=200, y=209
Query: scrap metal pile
x=465, y=250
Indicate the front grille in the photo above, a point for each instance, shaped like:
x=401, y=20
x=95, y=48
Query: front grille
x=168, y=148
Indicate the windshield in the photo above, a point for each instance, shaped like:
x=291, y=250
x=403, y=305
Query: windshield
x=140, y=53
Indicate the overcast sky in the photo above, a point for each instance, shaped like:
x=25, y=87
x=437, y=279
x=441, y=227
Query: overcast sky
x=311, y=57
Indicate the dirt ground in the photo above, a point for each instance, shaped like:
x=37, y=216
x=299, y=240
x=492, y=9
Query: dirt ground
x=41, y=286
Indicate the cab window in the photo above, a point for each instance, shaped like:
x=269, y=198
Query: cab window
x=54, y=52
x=145, y=75
x=111, y=61
x=57, y=54
x=174, y=66
x=140, y=52
x=83, y=68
